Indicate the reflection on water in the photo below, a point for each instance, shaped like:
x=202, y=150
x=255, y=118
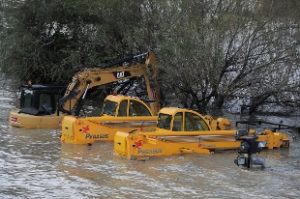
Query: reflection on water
x=34, y=164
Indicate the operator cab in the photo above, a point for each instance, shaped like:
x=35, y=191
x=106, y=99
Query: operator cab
x=124, y=106
x=40, y=99
x=177, y=119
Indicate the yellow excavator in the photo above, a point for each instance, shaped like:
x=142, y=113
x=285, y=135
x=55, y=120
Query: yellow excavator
x=44, y=106
x=181, y=131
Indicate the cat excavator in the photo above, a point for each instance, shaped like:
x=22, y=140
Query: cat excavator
x=44, y=106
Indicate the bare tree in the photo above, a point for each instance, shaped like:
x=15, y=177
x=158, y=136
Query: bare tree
x=227, y=50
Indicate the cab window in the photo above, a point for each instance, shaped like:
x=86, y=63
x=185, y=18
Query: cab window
x=164, y=121
x=109, y=108
x=123, y=108
x=178, y=121
x=27, y=98
x=194, y=123
x=45, y=103
x=138, y=109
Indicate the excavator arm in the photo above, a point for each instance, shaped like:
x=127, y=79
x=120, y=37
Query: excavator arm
x=142, y=65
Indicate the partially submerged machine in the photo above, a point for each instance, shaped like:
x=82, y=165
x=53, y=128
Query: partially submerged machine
x=182, y=131
x=119, y=112
x=38, y=106
x=42, y=116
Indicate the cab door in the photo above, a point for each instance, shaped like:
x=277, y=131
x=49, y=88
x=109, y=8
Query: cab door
x=193, y=122
x=134, y=114
x=137, y=109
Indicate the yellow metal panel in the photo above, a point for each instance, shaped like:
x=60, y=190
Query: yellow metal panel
x=163, y=143
x=91, y=129
x=22, y=120
x=120, y=143
x=67, y=128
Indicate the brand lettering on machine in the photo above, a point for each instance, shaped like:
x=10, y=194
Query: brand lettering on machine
x=121, y=74
x=201, y=145
x=149, y=151
x=96, y=136
x=28, y=92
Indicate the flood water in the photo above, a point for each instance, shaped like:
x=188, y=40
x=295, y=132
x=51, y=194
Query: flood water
x=34, y=164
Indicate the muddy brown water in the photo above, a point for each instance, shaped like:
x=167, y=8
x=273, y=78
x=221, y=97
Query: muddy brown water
x=34, y=164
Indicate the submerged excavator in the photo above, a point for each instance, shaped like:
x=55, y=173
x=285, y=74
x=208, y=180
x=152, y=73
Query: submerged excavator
x=44, y=106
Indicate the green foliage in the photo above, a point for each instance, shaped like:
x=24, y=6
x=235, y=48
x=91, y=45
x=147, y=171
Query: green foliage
x=48, y=40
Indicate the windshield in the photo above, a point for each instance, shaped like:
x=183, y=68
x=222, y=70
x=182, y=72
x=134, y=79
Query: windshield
x=109, y=108
x=164, y=121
